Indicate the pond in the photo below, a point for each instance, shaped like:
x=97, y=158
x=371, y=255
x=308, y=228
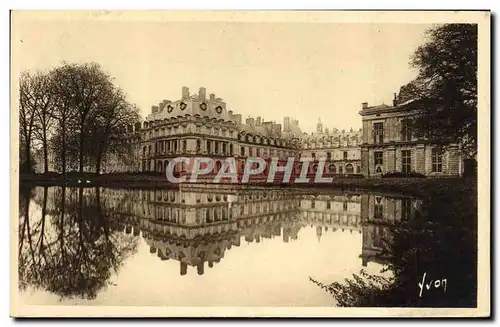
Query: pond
x=213, y=246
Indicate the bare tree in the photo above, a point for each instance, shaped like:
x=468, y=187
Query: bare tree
x=63, y=113
x=44, y=114
x=29, y=99
x=114, y=118
x=85, y=88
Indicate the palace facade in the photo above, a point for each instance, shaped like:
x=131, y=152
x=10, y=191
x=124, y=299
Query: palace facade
x=198, y=125
x=340, y=148
x=389, y=144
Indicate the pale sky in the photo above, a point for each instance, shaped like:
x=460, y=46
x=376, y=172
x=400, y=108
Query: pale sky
x=272, y=69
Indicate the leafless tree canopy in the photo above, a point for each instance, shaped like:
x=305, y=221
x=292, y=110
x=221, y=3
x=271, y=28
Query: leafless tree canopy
x=75, y=113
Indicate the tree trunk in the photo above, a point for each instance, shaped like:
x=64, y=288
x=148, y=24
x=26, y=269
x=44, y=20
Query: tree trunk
x=63, y=146
x=44, y=214
x=45, y=152
x=28, y=156
x=61, y=234
x=80, y=157
x=100, y=152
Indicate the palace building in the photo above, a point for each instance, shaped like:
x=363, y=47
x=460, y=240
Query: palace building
x=340, y=149
x=201, y=126
x=197, y=125
x=389, y=145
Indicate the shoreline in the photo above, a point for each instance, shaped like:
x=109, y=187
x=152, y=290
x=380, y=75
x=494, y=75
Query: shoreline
x=410, y=186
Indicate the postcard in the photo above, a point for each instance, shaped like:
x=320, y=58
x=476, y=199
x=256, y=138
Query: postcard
x=250, y=163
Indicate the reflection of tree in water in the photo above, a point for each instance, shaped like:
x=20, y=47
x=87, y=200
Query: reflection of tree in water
x=74, y=252
x=439, y=240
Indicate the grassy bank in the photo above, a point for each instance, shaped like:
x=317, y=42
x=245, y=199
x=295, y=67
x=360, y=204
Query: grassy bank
x=410, y=186
x=92, y=180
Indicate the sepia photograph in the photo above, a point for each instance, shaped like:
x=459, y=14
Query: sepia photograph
x=250, y=163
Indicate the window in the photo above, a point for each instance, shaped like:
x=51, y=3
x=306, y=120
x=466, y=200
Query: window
x=406, y=205
x=345, y=155
x=224, y=149
x=344, y=206
x=379, y=155
x=242, y=150
x=378, y=133
x=216, y=147
x=328, y=205
x=437, y=160
x=406, y=160
x=349, y=169
x=378, y=236
x=328, y=156
x=184, y=145
x=358, y=170
x=198, y=145
x=230, y=149
x=378, y=212
x=406, y=132
x=341, y=171
x=258, y=152
x=209, y=146
x=313, y=204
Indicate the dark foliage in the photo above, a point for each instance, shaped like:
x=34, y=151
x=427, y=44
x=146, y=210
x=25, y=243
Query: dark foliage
x=400, y=174
x=440, y=240
x=445, y=89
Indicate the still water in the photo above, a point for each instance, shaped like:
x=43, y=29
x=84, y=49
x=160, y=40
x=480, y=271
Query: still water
x=198, y=245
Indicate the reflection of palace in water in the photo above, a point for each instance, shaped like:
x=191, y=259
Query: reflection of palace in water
x=196, y=224
x=378, y=213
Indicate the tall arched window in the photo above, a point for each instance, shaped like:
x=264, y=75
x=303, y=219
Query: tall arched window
x=333, y=169
x=349, y=169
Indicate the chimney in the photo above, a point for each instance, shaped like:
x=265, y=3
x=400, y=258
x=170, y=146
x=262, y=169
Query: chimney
x=230, y=112
x=237, y=118
x=395, y=101
x=364, y=105
x=286, y=124
x=202, y=93
x=185, y=92
x=276, y=129
x=259, y=121
x=212, y=96
x=162, y=105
